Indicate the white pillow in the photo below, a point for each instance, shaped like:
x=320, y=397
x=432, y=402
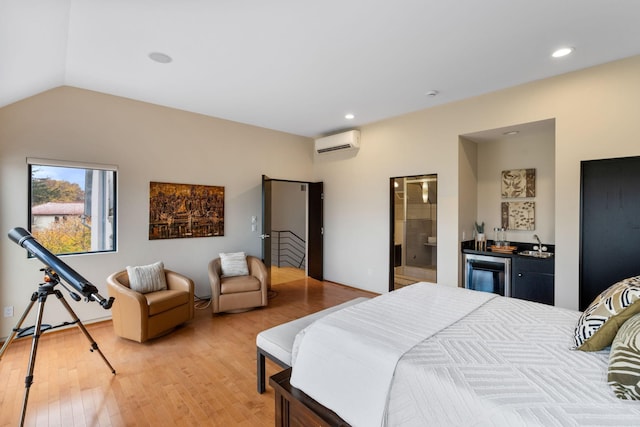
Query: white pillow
x=234, y=264
x=147, y=278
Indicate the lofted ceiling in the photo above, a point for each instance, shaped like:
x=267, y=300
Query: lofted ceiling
x=299, y=66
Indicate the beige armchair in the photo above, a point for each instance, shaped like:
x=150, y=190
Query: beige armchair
x=140, y=317
x=238, y=293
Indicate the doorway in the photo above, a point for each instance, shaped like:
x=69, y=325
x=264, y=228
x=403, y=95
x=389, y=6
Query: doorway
x=414, y=230
x=292, y=245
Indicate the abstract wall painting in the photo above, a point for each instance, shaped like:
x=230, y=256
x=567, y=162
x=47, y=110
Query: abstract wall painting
x=518, y=183
x=519, y=215
x=184, y=210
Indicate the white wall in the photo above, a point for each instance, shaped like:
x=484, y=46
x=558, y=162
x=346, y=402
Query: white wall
x=467, y=192
x=289, y=204
x=356, y=215
x=147, y=143
x=595, y=112
x=530, y=151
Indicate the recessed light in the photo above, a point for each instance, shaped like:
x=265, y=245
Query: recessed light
x=511, y=133
x=160, y=57
x=564, y=51
x=349, y=116
x=432, y=93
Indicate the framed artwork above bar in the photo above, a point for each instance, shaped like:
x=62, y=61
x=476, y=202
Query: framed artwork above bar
x=519, y=215
x=518, y=183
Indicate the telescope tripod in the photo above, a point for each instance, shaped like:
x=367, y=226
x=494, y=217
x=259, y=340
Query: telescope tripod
x=44, y=290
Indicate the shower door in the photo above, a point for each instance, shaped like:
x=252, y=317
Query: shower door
x=414, y=226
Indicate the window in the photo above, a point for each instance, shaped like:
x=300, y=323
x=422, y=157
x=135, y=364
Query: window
x=72, y=206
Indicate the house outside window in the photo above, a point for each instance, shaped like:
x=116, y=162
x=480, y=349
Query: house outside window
x=72, y=206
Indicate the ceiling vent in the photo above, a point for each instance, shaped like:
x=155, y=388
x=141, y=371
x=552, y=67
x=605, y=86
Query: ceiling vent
x=341, y=141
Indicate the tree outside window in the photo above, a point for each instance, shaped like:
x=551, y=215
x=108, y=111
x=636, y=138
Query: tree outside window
x=72, y=207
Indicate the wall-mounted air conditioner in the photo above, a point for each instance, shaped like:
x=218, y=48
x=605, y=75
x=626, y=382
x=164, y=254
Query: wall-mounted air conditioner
x=340, y=141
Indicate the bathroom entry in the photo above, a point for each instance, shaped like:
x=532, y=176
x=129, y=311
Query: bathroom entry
x=414, y=230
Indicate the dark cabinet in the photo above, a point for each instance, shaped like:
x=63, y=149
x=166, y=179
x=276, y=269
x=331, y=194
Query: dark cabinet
x=533, y=279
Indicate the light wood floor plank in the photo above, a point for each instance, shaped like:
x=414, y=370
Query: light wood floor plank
x=202, y=374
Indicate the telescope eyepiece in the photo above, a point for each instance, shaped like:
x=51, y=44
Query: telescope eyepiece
x=107, y=303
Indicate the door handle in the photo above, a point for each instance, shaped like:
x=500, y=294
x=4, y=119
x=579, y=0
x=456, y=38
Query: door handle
x=264, y=236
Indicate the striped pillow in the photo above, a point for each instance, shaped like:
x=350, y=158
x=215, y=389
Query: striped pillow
x=624, y=361
x=234, y=264
x=600, y=322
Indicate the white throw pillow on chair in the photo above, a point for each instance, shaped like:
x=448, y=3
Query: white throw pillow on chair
x=234, y=264
x=147, y=278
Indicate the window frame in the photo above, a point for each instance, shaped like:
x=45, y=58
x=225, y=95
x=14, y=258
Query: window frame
x=35, y=162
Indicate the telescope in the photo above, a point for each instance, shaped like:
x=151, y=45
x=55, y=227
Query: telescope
x=55, y=270
x=23, y=238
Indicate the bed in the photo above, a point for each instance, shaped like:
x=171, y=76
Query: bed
x=444, y=356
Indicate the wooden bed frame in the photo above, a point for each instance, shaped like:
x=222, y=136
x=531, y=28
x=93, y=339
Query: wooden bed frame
x=295, y=409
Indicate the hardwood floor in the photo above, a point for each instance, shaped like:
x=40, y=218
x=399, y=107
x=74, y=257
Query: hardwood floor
x=202, y=374
x=285, y=274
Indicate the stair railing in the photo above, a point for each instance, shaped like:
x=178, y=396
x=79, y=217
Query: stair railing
x=290, y=249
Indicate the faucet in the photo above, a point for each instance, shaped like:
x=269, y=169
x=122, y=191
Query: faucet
x=535, y=236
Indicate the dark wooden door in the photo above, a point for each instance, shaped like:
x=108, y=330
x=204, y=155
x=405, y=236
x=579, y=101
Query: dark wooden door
x=609, y=224
x=316, y=230
x=266, y=224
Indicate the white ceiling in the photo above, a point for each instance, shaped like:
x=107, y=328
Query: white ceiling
x=296, y=65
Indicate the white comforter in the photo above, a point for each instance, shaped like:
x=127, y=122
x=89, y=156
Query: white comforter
x=431, y=355
x=507, y=364
x=346, y=360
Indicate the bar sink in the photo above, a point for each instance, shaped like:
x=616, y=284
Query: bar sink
x=536, y=254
